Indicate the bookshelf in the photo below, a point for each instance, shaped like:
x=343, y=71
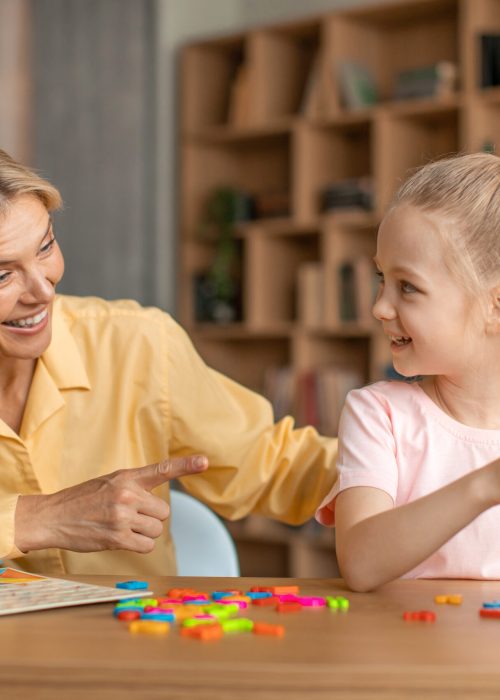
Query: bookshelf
x=266, y=113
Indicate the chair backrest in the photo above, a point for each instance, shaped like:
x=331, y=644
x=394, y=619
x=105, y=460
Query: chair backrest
x=202, y=542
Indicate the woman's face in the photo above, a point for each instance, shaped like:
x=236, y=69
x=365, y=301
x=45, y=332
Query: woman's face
x=31, y=264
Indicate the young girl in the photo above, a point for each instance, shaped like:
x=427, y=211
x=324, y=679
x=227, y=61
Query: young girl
x=419, y=463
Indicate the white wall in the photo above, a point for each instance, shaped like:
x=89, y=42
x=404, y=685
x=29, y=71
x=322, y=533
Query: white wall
x=181, y=21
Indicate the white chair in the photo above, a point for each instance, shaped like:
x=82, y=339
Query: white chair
x=202, y=542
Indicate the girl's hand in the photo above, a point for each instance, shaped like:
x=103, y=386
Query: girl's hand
x=116, y=511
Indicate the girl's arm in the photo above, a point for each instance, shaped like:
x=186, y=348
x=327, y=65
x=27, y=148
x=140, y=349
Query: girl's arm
x=377, y=543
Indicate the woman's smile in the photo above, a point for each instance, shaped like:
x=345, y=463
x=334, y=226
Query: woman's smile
x=28, y=325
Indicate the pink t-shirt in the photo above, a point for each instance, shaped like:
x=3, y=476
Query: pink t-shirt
x=395, y=438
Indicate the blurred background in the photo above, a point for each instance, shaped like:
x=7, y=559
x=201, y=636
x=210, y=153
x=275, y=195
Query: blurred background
x=88, y=96
x=229, y=161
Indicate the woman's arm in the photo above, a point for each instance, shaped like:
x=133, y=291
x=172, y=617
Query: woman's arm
x=377, y=543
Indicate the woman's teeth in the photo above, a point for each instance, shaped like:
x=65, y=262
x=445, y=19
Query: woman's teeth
x=27, y=322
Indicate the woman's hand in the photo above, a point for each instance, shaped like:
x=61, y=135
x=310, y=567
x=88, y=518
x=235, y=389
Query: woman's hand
x=116, y=511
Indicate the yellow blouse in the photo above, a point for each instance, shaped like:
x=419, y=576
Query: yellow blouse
x=122, y=386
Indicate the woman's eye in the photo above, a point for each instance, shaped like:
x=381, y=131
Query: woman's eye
x=379, y=275
x=4, y=276
x=45, y=248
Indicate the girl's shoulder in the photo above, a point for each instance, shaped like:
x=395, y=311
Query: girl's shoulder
x=394, y=392
x=388, y=402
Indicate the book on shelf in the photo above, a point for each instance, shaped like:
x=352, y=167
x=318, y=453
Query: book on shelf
x=357, y=85
x=490, y=59
x=311, y=104
x=334, y=383
x=315, y=396
x=357, y=284
x=279, y=389
x=310, y=294
x=271, y=204
x=321, y=394
x=240, y=98
x=351, y=193
x=434, y=80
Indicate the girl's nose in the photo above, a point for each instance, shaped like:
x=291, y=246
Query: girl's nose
x=383, y=309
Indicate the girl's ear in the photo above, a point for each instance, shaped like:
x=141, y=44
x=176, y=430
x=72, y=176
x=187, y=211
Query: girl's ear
x=493, y=318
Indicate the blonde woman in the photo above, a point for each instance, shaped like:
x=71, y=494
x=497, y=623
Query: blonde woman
x=100, y=405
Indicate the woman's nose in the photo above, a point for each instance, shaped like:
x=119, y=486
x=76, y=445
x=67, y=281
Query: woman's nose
x=39, y=289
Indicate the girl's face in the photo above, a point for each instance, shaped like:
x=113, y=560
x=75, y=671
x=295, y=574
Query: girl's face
x=435, y=326
x=31, y=264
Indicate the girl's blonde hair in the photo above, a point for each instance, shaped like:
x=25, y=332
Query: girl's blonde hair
x=17, y=180
x=465, y=189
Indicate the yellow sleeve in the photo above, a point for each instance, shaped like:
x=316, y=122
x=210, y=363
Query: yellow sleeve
x=256, y=466
x=8, y=549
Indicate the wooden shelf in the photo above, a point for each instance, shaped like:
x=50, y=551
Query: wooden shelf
x=264, y=112
x=240, y=331
x=489, y=95
x=235, y=134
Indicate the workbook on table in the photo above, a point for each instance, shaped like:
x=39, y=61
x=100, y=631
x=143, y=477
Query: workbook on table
x=23, y=592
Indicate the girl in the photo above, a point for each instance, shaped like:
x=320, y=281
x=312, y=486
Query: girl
x=414, y=497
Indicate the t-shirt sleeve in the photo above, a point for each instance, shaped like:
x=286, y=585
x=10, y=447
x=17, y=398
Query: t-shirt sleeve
x=367, y=450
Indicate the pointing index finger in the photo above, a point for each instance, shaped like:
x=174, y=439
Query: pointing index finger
x=156, y=474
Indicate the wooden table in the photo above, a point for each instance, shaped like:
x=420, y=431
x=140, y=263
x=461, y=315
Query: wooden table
x=369, y=652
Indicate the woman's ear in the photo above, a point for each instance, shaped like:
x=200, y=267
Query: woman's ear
x=493, y=316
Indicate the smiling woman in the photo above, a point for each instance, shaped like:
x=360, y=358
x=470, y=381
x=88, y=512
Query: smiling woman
x=90, y=389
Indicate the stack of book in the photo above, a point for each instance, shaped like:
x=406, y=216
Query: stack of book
x=352, y=193
x=315, y=397
x=435, y=80
x=321, y=395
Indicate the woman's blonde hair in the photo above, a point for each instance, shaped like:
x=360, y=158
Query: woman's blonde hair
x=465, y=189
x=17, y=180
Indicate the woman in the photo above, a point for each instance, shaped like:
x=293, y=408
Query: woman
x=91, y=389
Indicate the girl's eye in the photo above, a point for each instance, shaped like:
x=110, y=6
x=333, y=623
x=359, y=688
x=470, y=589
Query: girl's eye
x=379, y=275
x=45, y=248
x=407, y=288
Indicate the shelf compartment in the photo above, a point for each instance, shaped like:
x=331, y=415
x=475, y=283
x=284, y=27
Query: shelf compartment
x=207, y=72
x=355, y=246
x=272, y=266
x=325, y=155
x=406, y=142
x=281, y=60
x=244, y=359
x=482, y=126
x=327, y=368
x=388, y=39
x=479, y=17
x=316, y=350
x=248, y=80
x=255, y=167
